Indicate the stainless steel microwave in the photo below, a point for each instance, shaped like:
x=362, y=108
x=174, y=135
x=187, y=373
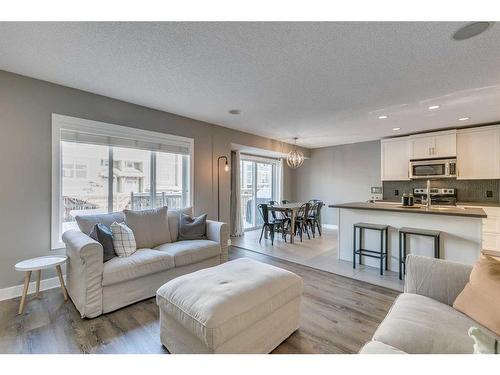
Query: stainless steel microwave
x=433, y=168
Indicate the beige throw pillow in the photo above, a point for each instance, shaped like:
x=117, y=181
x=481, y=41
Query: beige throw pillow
x=480, y=299
x=150, y=227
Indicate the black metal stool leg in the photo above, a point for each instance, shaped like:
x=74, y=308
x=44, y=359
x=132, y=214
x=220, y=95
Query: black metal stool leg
x=354, y=249
x=360, y=244
x=400, y=256
x=386, y=249
x=404, y=253
x=382, y=252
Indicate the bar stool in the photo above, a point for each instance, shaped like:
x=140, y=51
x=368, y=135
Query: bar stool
x=403, y=232
x=381, y=254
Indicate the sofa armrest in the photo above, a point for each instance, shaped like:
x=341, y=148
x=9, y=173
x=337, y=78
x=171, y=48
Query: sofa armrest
x=219, y=232
x=438, y=279
x=84, y=272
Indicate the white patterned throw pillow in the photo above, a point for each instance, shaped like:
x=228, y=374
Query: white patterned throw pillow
x=123, y=240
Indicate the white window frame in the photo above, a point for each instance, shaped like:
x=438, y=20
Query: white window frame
x=60, y=122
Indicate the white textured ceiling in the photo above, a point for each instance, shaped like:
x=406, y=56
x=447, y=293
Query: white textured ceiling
x=324, y=82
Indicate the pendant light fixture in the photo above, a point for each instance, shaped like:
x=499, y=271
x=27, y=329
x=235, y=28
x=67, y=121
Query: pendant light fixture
x=295, y=158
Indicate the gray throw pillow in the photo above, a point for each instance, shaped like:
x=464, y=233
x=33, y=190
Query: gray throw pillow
x=192, y=228
x=150, y=227
x=102, y=234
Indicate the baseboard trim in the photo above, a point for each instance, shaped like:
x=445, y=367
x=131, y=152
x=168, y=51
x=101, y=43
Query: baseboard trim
x=17, y=290
x=330, y=226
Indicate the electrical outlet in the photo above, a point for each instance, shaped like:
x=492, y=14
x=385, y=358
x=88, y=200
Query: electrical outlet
x=396, y=192
x=489, y=193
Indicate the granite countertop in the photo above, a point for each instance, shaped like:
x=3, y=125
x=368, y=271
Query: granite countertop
x=417, y=209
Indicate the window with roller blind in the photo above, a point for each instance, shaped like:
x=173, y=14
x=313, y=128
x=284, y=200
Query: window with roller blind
x=100, y=168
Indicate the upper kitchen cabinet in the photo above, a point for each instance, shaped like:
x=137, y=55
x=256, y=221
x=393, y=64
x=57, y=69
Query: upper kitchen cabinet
x=433, y=145
x=478, y=153
x=395, y=156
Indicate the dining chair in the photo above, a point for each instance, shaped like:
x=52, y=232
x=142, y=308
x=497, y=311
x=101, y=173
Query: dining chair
x=273, y=203
x=280, y=216
x=314, y=218
x=286, y=214
x=273, y=225
x=301, y=220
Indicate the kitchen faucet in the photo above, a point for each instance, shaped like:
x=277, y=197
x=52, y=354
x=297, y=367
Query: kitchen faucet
x=428, y=203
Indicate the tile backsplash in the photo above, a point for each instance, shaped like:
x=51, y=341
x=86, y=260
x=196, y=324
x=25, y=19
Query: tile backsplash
x=478, y=191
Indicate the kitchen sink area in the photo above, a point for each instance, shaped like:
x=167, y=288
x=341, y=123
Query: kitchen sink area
x=421, y=206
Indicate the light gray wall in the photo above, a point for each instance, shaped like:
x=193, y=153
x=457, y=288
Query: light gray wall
x=26, y=106
x=338, y=174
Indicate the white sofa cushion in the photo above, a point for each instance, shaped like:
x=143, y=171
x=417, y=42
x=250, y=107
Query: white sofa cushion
x=86, y=222
x=142, y=262
x=150, y=227
x=191, y=251
x=421, y=325
x=377, y=347
x=216, y=304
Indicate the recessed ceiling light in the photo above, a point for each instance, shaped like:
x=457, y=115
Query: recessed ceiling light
x=471, y=30
x=234, y=111
x=396, y=129
x=464, y=118
x=434, y=107
x=383, y=117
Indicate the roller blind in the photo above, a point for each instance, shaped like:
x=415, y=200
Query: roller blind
x=145, y=141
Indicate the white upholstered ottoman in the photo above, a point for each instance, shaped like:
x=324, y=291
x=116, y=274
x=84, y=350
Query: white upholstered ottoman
x=242, y=306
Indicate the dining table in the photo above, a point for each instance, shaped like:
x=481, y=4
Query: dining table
x=291, y=209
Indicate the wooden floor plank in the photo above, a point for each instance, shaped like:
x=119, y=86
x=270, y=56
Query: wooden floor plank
x=338, y=316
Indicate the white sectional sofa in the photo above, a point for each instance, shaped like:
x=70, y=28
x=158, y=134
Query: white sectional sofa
x=422, y=319
x=96, y=287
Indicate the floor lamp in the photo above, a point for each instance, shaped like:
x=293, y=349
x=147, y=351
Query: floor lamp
x=226, y=169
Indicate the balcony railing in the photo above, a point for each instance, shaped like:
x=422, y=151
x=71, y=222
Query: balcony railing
x=142, y=201
x=88, y=205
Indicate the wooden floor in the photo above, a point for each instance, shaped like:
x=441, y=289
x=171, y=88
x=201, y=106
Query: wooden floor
x=338, y=316
x=320, y=253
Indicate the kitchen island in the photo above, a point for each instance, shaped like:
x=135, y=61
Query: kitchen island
x=461, y=230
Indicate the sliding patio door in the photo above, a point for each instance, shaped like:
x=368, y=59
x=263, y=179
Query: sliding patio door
x=259, y=184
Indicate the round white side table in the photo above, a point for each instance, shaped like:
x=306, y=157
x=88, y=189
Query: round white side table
x=39, y=264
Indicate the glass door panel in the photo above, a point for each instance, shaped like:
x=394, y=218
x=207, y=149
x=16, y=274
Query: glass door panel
x=258, y=185
x=247, y=194
x=264, y=188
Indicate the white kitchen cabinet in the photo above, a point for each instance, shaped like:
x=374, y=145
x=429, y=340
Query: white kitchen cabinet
x=421, y=147
x=395, y=156
x=433, y=145
x=478, y=152
x=491, y=230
